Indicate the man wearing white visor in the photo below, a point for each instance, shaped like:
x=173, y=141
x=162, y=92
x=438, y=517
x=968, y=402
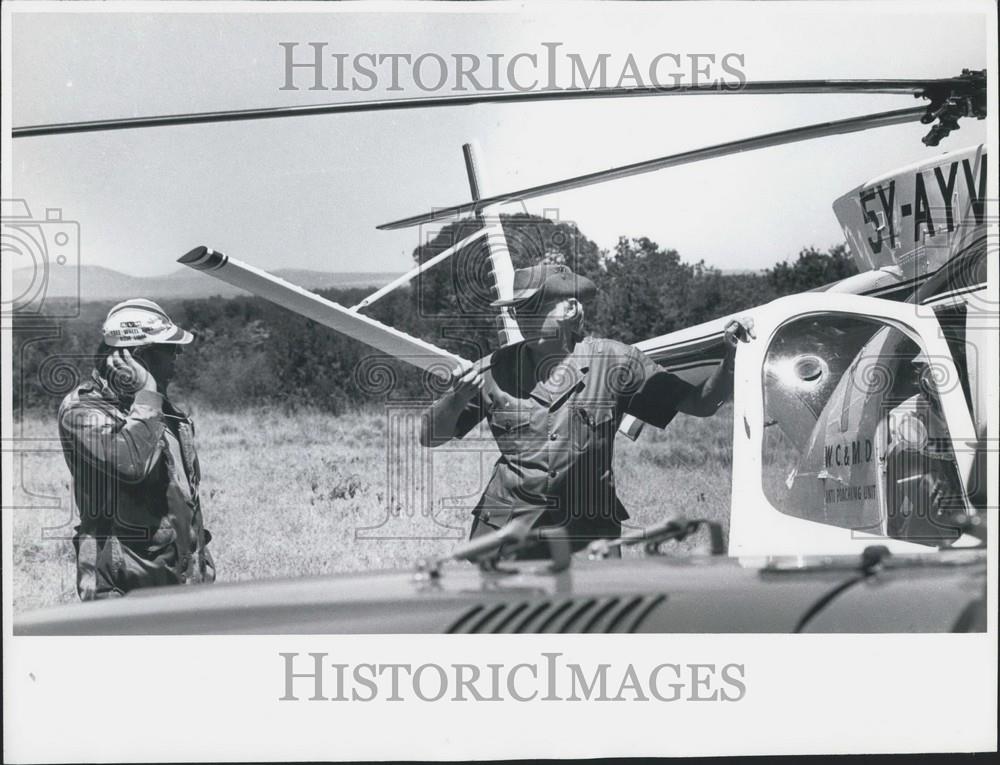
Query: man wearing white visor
x=132, y=456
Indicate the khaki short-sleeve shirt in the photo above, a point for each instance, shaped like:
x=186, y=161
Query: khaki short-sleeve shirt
x=555, y=428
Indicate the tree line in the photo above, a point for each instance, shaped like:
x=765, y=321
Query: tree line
x=250, y=352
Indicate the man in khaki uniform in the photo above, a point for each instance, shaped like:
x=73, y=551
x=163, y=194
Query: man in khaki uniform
x=132, y=456
x=554, y=404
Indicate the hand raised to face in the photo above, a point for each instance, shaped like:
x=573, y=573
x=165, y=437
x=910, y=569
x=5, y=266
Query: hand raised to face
x=128, y=374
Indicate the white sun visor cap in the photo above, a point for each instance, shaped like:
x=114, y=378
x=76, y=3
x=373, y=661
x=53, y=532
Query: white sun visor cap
x=140, y=322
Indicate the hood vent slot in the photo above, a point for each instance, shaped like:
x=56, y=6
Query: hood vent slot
x=576, y=615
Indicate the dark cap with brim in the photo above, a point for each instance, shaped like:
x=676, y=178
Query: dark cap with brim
x=548, y=282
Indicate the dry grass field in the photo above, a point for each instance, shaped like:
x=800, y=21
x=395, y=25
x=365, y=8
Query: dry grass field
x=294, y=494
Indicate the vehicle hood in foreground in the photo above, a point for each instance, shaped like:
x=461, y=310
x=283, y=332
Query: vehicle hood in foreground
x=938, y=593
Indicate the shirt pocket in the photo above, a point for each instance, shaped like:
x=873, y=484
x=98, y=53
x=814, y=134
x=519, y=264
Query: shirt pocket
x=510, y=427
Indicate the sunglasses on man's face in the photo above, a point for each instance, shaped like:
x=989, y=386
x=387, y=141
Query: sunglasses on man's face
x=167, y=349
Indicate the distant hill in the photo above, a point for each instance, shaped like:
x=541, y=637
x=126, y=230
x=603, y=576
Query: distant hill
x=99, y=283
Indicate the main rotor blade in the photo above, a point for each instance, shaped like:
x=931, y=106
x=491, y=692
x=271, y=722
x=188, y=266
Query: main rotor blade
x=837, y=127
x=382, y=337
x=774, y=87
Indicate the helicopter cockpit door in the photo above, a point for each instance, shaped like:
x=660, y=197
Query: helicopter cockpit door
x=850, y=429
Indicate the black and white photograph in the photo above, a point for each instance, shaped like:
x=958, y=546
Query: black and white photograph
x=647, y=343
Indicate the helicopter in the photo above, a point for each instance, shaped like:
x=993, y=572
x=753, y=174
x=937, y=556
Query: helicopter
x=859, y=428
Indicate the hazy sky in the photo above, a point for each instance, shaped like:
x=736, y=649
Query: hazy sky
x=308, y=192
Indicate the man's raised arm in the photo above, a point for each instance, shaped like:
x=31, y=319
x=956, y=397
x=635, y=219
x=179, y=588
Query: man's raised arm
x=706, y=399
x=441, y=420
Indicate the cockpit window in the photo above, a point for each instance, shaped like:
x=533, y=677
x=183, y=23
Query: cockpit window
x=853, y=431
